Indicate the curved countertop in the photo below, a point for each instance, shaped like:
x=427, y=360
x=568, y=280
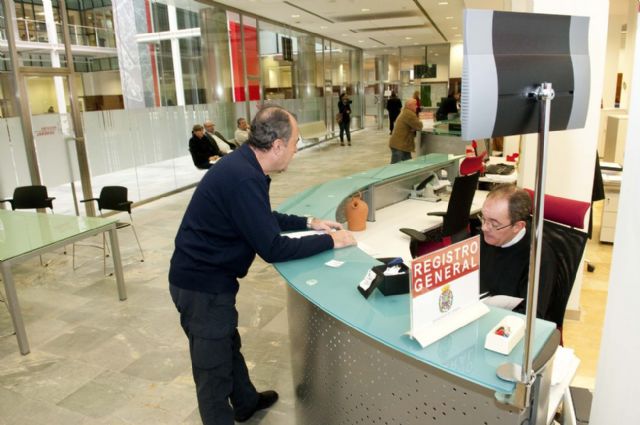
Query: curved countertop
x=386, y=319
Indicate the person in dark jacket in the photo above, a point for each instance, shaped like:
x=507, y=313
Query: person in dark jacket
x=227, y=222
x=344, y=108
x=394, y=106
x=449, y=105
x=203, y=150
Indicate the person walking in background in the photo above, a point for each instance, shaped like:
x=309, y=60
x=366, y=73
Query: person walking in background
x=449, y=105
x=227, y=222
x=344, y=108
x=394, y=106
x=416, y=96
x=402, y=140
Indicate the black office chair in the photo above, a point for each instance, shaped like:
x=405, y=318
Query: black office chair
x=114, y=198
x=455, y=221
x=30, y=197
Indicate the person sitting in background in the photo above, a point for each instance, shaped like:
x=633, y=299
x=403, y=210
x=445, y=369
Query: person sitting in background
x=203, y=150
x=224, y=145
x=402, y=140
x=449, y=105
x=242, y=132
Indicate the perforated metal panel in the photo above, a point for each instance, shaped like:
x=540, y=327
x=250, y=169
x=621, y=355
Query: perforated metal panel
x=343, y=377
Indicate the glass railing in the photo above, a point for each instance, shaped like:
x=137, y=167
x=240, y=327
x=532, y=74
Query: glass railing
x=80, y=35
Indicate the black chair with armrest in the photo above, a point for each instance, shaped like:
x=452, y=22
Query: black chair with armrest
x=115, y=198
x=455, y=221
x=30, y=197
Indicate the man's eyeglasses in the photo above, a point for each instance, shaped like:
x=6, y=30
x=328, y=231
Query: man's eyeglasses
x=490, y=225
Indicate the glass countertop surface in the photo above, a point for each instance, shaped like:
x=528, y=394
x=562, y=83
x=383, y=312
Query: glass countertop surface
x=323, y=200
x=22, y=232
x=386, y=319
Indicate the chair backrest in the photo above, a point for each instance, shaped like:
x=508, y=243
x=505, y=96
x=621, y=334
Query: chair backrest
x=456, y=219
x=114, y=198
x=29, y=197
x=562, y=249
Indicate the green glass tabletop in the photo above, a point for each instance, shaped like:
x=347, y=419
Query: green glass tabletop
x=22, y=232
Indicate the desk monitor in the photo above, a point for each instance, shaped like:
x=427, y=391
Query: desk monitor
x=506, y=56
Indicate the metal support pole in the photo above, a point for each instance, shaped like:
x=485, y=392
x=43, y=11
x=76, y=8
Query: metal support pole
x=524, y=376
x=544, y=94
x=20, y=92
x=81, y=150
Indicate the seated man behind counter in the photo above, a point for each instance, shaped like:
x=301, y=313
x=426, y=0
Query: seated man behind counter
x=505, y=247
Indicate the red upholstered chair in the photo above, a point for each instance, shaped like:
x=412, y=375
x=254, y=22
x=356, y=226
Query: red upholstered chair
x=563, y=245
x=455, y=221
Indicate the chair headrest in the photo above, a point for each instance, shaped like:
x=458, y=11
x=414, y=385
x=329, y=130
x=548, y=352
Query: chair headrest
x=472, y=164
x=563, y=210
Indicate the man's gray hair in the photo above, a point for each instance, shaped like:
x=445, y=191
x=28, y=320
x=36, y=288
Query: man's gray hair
x=270, y=123
x=519, y=201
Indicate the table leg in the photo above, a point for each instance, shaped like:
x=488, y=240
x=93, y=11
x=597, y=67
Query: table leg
x=117, y=263
x=14, y=309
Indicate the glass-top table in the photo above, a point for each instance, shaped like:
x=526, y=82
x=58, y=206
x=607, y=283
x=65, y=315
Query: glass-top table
x=26, y=234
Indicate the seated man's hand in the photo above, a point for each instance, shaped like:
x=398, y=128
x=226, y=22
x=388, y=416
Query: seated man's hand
x=326, y=225
x=343, y=238
x=214, y=158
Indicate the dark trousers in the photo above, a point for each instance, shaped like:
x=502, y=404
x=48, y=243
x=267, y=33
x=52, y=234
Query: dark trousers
x=398, y=155
x=344, y=128
x=210, y=322
x=392, y=122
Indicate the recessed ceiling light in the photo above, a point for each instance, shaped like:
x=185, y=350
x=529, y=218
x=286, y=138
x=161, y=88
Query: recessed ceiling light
x=345, y=35
x=323, y=27
x=360, y=41
x=295, y=16
x=449, y=17
x=365, y=9
x=408, y=38
x=436, y=54
x=454, y=28
x=443, y=3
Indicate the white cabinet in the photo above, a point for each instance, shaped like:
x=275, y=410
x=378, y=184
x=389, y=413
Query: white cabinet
x=609, y=211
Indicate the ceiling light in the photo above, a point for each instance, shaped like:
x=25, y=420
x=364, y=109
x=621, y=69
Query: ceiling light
x=360, y=41
x=436, y=54
x=323, y=27
x=365, y=9
x=443, y=3
x=408, y=38
x=449, y=17
x=454, y=28
x=295, y=16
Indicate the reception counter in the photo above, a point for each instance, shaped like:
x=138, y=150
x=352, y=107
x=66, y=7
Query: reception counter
x=352, y=360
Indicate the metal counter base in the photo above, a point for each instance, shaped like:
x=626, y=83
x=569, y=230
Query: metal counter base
x=343, y=377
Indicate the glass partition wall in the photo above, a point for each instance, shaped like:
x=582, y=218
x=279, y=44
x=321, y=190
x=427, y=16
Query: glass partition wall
x=182, y=64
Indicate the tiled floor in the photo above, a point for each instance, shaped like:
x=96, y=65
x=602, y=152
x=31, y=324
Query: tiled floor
x=97, y=360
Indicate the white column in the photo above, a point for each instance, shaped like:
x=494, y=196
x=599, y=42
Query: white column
x=617, y=391
x=52, y=36
x=175, y=55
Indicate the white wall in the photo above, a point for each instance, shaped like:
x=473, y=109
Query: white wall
x=617, y=391
x=455, y=60
x=101, y=83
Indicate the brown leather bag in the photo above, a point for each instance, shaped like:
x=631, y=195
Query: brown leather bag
x=339, y=117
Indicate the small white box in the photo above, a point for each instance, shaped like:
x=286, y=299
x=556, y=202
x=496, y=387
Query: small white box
x=505, y=335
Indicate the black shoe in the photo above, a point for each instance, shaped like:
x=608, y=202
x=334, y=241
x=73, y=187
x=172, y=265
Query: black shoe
x=349, y=142
x=341, y=143
x=266, y=399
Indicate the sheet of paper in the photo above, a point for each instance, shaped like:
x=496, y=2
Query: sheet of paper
x=502, y=301
x=296, y=235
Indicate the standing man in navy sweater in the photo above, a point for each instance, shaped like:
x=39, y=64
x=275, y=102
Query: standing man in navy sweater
x=228, y=221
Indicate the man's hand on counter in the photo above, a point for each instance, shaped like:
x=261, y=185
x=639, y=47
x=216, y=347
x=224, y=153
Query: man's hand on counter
x=326, y=225
x=343, y=238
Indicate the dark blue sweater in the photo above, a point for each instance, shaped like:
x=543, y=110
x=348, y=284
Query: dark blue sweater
x=228, y=221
